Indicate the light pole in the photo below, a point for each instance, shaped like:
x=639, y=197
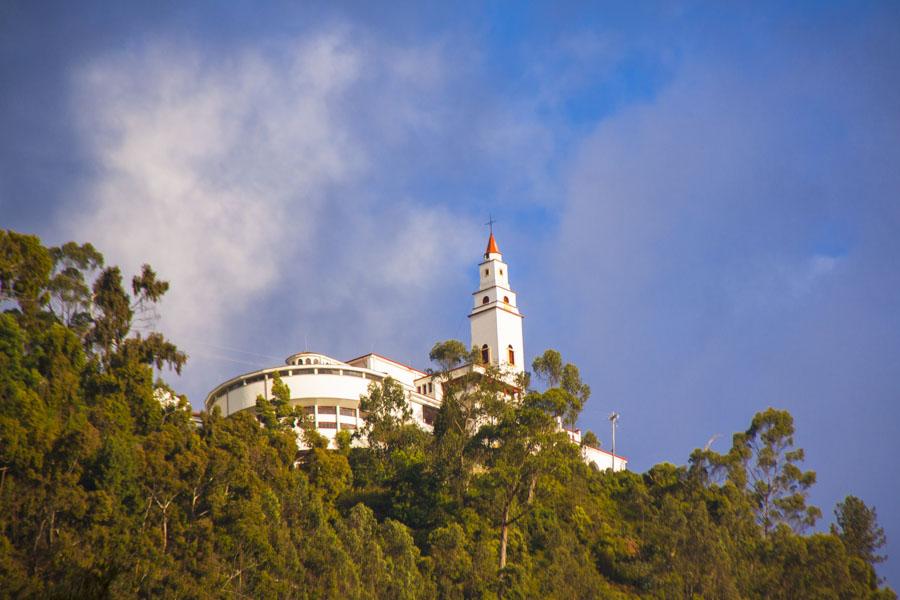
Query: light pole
x=614, y=419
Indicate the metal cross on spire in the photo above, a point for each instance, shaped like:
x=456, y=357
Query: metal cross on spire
x=492, y=243
x=491, y=222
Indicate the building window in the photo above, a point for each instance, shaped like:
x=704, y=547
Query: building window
x=501, y=272
x=429, y=414
x=506, y=299
x=485, y=272
x=327, y=425
x=430, y=388
x=485, y=354
x=348, y=412
x=327, y=410
x=345, y=426
x=308, y=361
x=485, y=300
x=512, y=354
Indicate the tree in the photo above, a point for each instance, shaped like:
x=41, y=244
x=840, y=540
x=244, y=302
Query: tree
x=69, y=291
x=387, y=411
x=25, y=267
x=453, y=569
x=108, y=337
x=564, y=377
x=147, y=290
x=113, y=321
x=277, y=414
x=329, y=472
x=590, y=439
x=549, y=367
x=580, y=392
x=462, y=411
x=449, y=355
x=762, y=459
x=857, y=526
x=516, y=445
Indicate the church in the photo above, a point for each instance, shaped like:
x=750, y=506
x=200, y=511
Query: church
x=328, y=390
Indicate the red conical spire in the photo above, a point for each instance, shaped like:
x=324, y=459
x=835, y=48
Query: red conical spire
x=492, y=246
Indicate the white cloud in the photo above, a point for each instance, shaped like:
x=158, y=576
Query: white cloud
x=251, y=182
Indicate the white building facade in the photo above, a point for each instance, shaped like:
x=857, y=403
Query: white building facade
x=328, y=390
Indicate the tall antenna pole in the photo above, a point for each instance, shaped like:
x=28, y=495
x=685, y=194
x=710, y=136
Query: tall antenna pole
x=614, y=419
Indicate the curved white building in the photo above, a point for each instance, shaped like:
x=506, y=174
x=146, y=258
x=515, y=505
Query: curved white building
x=328, y=390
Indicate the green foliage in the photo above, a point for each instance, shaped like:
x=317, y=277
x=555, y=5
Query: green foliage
x=549, y=367
x=580, y=391
x=565, y=391
x=387, y=414
x=104, y=493
x=70, y=293
x=763, y=459
x=113, y=322
x=590, y=439
x=450, y=354
x=857, y=526
x=278, y=415
x=24, y=271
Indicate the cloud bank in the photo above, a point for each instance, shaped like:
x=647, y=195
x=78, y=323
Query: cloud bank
x=272, y=187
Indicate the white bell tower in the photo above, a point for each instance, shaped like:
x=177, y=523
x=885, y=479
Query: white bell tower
x=495, y=318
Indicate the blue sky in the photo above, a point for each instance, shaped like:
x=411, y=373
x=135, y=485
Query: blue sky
x=699, y=203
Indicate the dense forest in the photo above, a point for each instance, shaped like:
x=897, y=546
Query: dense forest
x=105, y=491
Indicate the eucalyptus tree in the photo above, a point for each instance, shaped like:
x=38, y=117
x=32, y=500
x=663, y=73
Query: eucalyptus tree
x=74, y=266
x=450, y=354
x=763, y=459
x=560, y=375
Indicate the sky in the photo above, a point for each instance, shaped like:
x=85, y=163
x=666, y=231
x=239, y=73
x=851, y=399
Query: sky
x=699, y=202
